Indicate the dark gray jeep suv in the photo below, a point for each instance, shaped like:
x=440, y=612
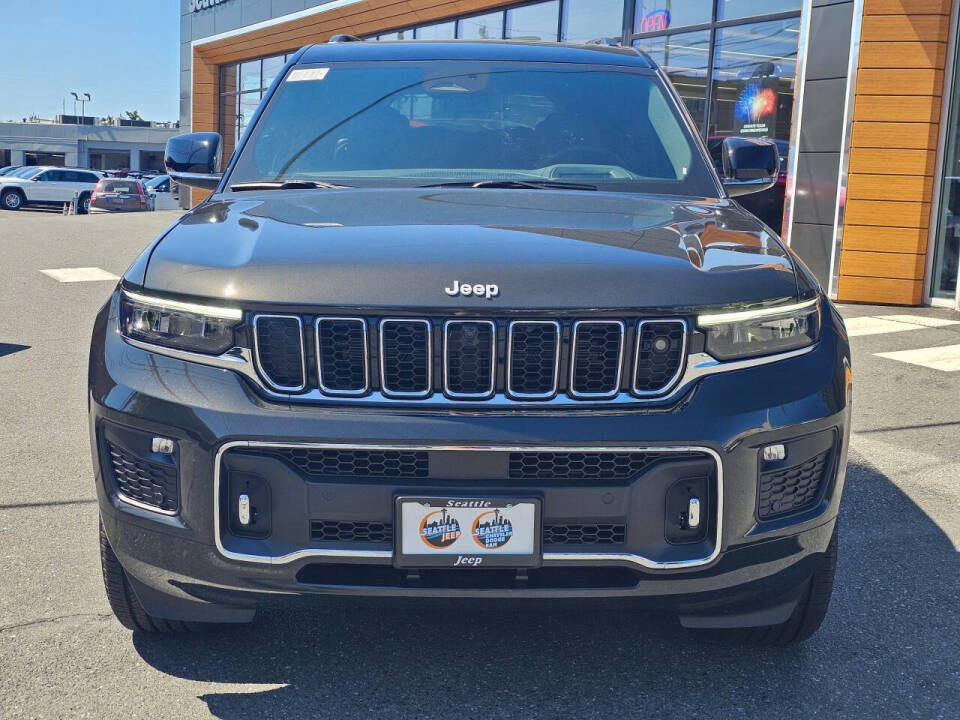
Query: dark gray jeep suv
x=470, y=319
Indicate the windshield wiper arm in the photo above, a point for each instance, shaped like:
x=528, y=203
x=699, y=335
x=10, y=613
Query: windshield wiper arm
x=517, y=184
x=287, y=185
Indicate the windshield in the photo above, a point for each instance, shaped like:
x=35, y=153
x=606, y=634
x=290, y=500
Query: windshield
x=159, y=180
x=25, y=172
x=421, y=123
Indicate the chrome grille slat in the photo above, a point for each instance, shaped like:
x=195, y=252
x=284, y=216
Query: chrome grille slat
x=347, y=370
x=596, y=358
x=406, y=368
x=653, y=375
x=463, y=370
x=528, y=367
x=274, y=357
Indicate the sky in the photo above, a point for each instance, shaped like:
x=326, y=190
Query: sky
x=125, y=53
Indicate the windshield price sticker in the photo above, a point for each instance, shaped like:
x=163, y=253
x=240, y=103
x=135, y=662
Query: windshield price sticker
x=305, y=74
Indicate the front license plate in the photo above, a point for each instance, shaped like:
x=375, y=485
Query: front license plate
x=467, y=532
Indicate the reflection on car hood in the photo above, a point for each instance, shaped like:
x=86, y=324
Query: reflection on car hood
x=401, y=247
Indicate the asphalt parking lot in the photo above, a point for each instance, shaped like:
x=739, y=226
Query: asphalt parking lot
x=890, y=646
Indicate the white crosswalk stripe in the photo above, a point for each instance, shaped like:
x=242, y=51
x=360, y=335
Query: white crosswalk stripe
x=945, y=357
x=80, y=274
x=880, y=324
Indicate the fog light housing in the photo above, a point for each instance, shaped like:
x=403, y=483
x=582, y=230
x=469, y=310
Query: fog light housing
x=774, y=453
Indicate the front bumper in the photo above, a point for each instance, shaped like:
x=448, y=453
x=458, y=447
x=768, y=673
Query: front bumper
x=187, y=564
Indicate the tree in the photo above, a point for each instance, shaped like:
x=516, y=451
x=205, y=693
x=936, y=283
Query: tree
x=108, y=120
x=132, y=115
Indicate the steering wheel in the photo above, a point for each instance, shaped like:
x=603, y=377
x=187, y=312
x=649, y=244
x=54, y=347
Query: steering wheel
x=587, y=154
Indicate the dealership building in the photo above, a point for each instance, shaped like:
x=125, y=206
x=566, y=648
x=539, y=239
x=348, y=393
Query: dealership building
x=860, y=95
x=70, y=143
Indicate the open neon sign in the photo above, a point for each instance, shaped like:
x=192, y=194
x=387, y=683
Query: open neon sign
x=654, y=21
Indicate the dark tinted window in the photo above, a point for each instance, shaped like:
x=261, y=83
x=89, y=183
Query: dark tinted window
x=410, y=123
x=121, y=187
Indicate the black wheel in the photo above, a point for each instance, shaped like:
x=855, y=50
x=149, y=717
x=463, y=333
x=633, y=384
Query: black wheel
x=11, y=200
x=124, y=602
x=83, y=206
x=810, y=611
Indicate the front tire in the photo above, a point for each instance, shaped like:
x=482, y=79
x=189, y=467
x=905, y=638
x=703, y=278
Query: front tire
x=810, y=611
x=11, y=200
x=124, y=603
x=84, y=204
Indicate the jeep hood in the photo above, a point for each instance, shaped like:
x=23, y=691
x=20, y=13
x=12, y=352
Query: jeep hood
x=399, y=248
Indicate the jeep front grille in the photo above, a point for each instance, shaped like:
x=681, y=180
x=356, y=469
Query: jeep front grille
x=468, y=359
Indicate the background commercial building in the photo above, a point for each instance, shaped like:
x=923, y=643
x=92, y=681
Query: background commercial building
x=100, y=147
x=858, y=92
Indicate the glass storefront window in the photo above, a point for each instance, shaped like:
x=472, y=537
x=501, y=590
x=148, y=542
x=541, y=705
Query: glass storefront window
x=685, y=58
x=250, y=76
x=271, y=67
x=397, y=35
x=753, y=79
x=481, y=27
x=946, y=250
x=439, y=31
x=730, y=9
x=657, y=15
x=534, y=22
x=590, y=19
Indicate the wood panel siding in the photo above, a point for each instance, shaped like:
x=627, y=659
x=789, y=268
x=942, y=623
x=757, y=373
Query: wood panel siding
x=896, y=116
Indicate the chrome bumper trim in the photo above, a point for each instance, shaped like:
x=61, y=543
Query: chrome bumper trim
x=551, y=557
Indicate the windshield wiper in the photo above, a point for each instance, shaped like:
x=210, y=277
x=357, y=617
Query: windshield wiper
x=288, y=185
x=517, y=184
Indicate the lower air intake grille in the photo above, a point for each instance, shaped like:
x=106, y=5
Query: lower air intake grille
x=533, y=360
x=144, y=481
x=588, y=465
x=792, y=489
x=584, y=534
x=358, y=463
x=279, y=347
x=340, y=531
x=405, y=357
x=342, y=353
x=660, y=354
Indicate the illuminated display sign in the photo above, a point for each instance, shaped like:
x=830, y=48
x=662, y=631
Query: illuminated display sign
x=756, y=109
x=654, y=21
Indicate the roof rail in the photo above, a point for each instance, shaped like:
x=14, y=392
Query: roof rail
x=344, y=38
x=608, y=41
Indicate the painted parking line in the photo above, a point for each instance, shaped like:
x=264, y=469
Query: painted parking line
x=81, y=274
x=945, y=357
x=881, y=324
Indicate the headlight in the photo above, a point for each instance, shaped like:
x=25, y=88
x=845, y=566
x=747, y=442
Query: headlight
x=763, y=331
x=171, y=323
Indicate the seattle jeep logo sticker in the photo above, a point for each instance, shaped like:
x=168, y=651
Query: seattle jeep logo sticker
x=439, y=529
x=491, y=530
x=484, y=290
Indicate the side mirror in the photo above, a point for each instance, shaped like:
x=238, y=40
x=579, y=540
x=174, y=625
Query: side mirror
x=749, y=165
x=194, y=159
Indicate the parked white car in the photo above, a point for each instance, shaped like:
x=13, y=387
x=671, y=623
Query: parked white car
x=44, y=185
x=162, y=193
